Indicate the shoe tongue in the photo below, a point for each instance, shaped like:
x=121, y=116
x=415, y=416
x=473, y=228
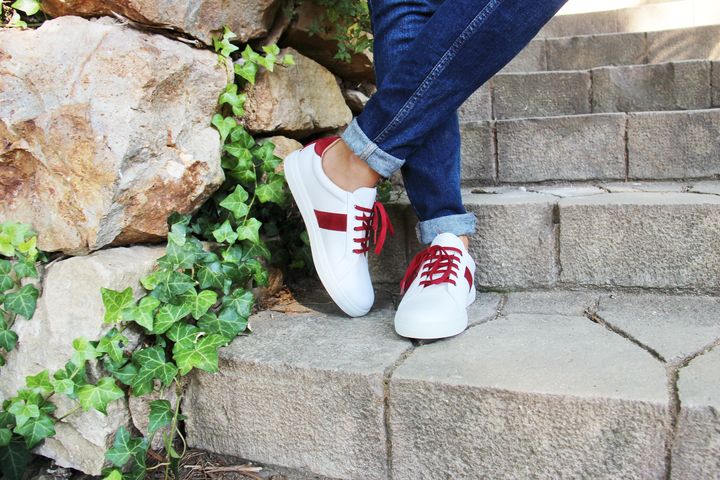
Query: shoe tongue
x=365, y=196
x=448, y=240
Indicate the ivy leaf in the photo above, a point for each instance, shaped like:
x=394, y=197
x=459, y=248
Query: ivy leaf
x=115, y=302
x=246, y=70
x=241, y=300
x=14, y=459
x=8, y=339
x=250, y=230
x=168, y=315
x=171, y=284
x=28, y=7
x=202, y=354
x=143, y=313
x=223, y=45
x=22, y=301
x=180, y=256
x=199, y=303
x=210, y=275
x=150, y=281
x=98, y=396
x=23, y=411
x=152, y=365
x=25, y=269
x=161, y=414
x=5, y=436
x=5, y=266
x=114, y=474
x=224, y=125
x=273, y=191
x=228, y=324
x=178, y=234
x=84, y=351
x=235, y=202
x=269, y=160
x=6, y=282
x=68, y=379
x=111, y=346
x=125, y=374
x=183, y=332
x=39, y=383
x=36, y=429
x=231, y=97
x=288, y=59
x=225, y=233
x=124, y=448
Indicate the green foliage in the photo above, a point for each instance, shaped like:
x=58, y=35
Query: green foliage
x=18, y=255
x=348, y=21
x=20, y=12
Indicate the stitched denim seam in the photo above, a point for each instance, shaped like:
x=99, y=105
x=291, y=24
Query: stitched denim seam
x=447, y=57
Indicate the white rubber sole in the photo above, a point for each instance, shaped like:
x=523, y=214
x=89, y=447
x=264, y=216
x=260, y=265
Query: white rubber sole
x=322, y=264
x=436, y=330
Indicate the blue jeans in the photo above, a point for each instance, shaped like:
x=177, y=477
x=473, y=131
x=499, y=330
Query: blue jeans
x=430, y=56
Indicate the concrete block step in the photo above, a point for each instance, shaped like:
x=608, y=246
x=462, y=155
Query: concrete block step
x=686, y=85
x=582, y=52
x=600, y=146
x=641, y=18
x=654, y=235
x=543, y=385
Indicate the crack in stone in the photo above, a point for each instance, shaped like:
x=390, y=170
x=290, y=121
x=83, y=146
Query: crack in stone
x=386, y=406
x=593, y=316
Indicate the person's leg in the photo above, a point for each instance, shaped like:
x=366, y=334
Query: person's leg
x=462, y=45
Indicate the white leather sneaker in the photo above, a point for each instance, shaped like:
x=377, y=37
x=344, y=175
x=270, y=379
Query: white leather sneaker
x=439, y=286
x=340, y=225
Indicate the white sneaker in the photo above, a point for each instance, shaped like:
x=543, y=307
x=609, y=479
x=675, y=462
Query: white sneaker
x=439, y=286
x=339, y=225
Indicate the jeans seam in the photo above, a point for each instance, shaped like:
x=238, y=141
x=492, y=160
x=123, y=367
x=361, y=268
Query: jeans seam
x=447, y=57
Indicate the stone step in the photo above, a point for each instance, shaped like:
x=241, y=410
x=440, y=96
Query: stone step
x=607, y=146
x=582, y=52
x=642, y=18
x=653, y=235
x=684, y=85
x=543, y=385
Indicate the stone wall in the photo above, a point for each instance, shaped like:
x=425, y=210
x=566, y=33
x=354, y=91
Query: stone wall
x=105, y=130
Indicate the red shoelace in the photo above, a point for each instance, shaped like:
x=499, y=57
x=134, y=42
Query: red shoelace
x=373, y=219
x=441, y=267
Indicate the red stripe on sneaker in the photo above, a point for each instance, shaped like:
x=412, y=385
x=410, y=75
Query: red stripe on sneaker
x=331, y=221
x=322, y=143
x=468, y=277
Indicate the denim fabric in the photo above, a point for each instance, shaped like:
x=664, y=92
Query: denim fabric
x=430, y=56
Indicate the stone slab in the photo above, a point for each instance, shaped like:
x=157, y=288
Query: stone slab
x=552, y=302
x=477, y=150
x=619, y=187
x=579, y=147
x=580, y=24
x=674, y=144
x=531, y=59
x=478, y=106
x=696, y=451
x=652, y=240
x=563, y=191
x=390, y=265
x=667, y=86
x=684, y=44
x=315, y=386
x=541, y=94
x=715, y=82
x=656, y=16
x=591, y=51
x=529, y=396
x=514, y=244
x=675, y=326
x=708, y=186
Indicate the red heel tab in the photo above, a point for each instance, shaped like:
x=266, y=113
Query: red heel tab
x=322, y=143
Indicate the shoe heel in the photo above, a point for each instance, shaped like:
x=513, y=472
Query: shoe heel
x=471, y=296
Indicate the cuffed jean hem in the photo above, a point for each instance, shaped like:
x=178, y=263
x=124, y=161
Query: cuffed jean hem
x=383, y=163
x=460, y=224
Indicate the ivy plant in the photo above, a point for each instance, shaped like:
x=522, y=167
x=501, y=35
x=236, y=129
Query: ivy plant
x=20, y=12
x=350, y=22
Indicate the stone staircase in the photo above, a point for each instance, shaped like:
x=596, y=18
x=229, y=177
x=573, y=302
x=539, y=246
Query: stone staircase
x=593, y=165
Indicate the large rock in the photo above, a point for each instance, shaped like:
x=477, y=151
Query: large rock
x=104, y=131
x=200, y=18
x=295, y=100
x=71, y=306
x=321, y=47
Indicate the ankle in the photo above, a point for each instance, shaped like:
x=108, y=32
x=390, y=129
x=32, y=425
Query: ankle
x=347, y=170
x=466, y=241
